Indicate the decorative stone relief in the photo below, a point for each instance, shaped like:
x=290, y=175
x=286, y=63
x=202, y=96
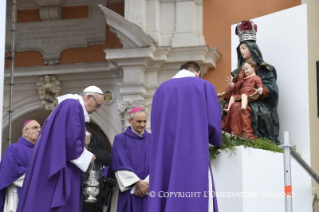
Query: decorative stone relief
x=52, y=12
x=48, y=90
x=109, y=97
x=126, y=106
x=50, y=9
x=52, y=36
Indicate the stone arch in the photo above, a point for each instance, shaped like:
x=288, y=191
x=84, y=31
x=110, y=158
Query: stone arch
x=21, y=107
x=106, y=123
x=32, y=103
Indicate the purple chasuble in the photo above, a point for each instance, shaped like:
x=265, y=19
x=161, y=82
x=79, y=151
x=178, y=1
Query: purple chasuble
x=131, y=152
x=13, y=165
x=185, y=119
x=52, y=182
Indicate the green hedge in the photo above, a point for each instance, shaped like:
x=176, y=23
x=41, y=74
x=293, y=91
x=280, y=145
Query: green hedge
x=230, y=142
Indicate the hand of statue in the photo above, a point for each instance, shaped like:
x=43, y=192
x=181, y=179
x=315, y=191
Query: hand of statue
x=227, y=80
x=221, y=96
x=255, y=95
x=230, y=83
x=260, y=90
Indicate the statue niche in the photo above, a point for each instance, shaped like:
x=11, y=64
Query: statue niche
x=48, y=90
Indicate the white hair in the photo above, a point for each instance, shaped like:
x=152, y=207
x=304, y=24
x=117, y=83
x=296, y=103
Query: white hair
x=89, y=93
x=25, y=128
x=132, y=115
x=87, y=133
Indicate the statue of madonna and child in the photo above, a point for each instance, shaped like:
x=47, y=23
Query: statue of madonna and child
x=250, y=105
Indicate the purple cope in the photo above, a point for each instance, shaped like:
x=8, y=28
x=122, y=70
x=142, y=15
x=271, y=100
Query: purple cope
x=185, y=118
x=13, y=165
x=52, y=182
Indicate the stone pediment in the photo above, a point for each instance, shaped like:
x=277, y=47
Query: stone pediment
x=130, y=35
x=52, y=36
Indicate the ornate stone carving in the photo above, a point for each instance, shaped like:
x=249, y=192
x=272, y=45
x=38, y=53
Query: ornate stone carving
x=48, y=90
x=50, y=9
x=48, y=61
x=52, y=12
x=125, y=107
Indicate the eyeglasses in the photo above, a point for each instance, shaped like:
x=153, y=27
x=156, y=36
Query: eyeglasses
x=34, y=128
x=97, y=104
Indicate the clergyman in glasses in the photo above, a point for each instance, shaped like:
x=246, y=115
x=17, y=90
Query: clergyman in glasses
x=14, y=164
x=55, y=173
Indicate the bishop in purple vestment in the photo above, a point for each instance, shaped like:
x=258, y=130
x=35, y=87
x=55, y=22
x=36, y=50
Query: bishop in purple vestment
x=54, y=176
x=185, y=119
x=14, y=164
x=130, y=164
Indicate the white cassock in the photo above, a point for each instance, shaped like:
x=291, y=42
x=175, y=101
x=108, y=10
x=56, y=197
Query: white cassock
x=11, y=195
x=210, y=189
x=83, y=161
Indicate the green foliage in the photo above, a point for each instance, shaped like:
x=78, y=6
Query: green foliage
x=230, y=142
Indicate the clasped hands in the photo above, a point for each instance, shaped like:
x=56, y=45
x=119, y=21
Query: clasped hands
x=141, y=188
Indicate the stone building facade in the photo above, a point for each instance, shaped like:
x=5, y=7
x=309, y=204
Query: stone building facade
x=128, y=48
x=142, y=44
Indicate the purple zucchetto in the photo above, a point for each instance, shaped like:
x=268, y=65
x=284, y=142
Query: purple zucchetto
x=26, y=122
x=134, y=110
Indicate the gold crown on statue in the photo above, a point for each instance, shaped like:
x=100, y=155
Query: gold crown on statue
x=246, y=30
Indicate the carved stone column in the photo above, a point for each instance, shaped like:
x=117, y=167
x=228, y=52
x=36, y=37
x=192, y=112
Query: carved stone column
x=188, y=22
x=125, y=107
x=133, y=86
x=135, y=11
x=153, y=17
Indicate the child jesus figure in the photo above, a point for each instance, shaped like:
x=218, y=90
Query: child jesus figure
x=247, y=86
